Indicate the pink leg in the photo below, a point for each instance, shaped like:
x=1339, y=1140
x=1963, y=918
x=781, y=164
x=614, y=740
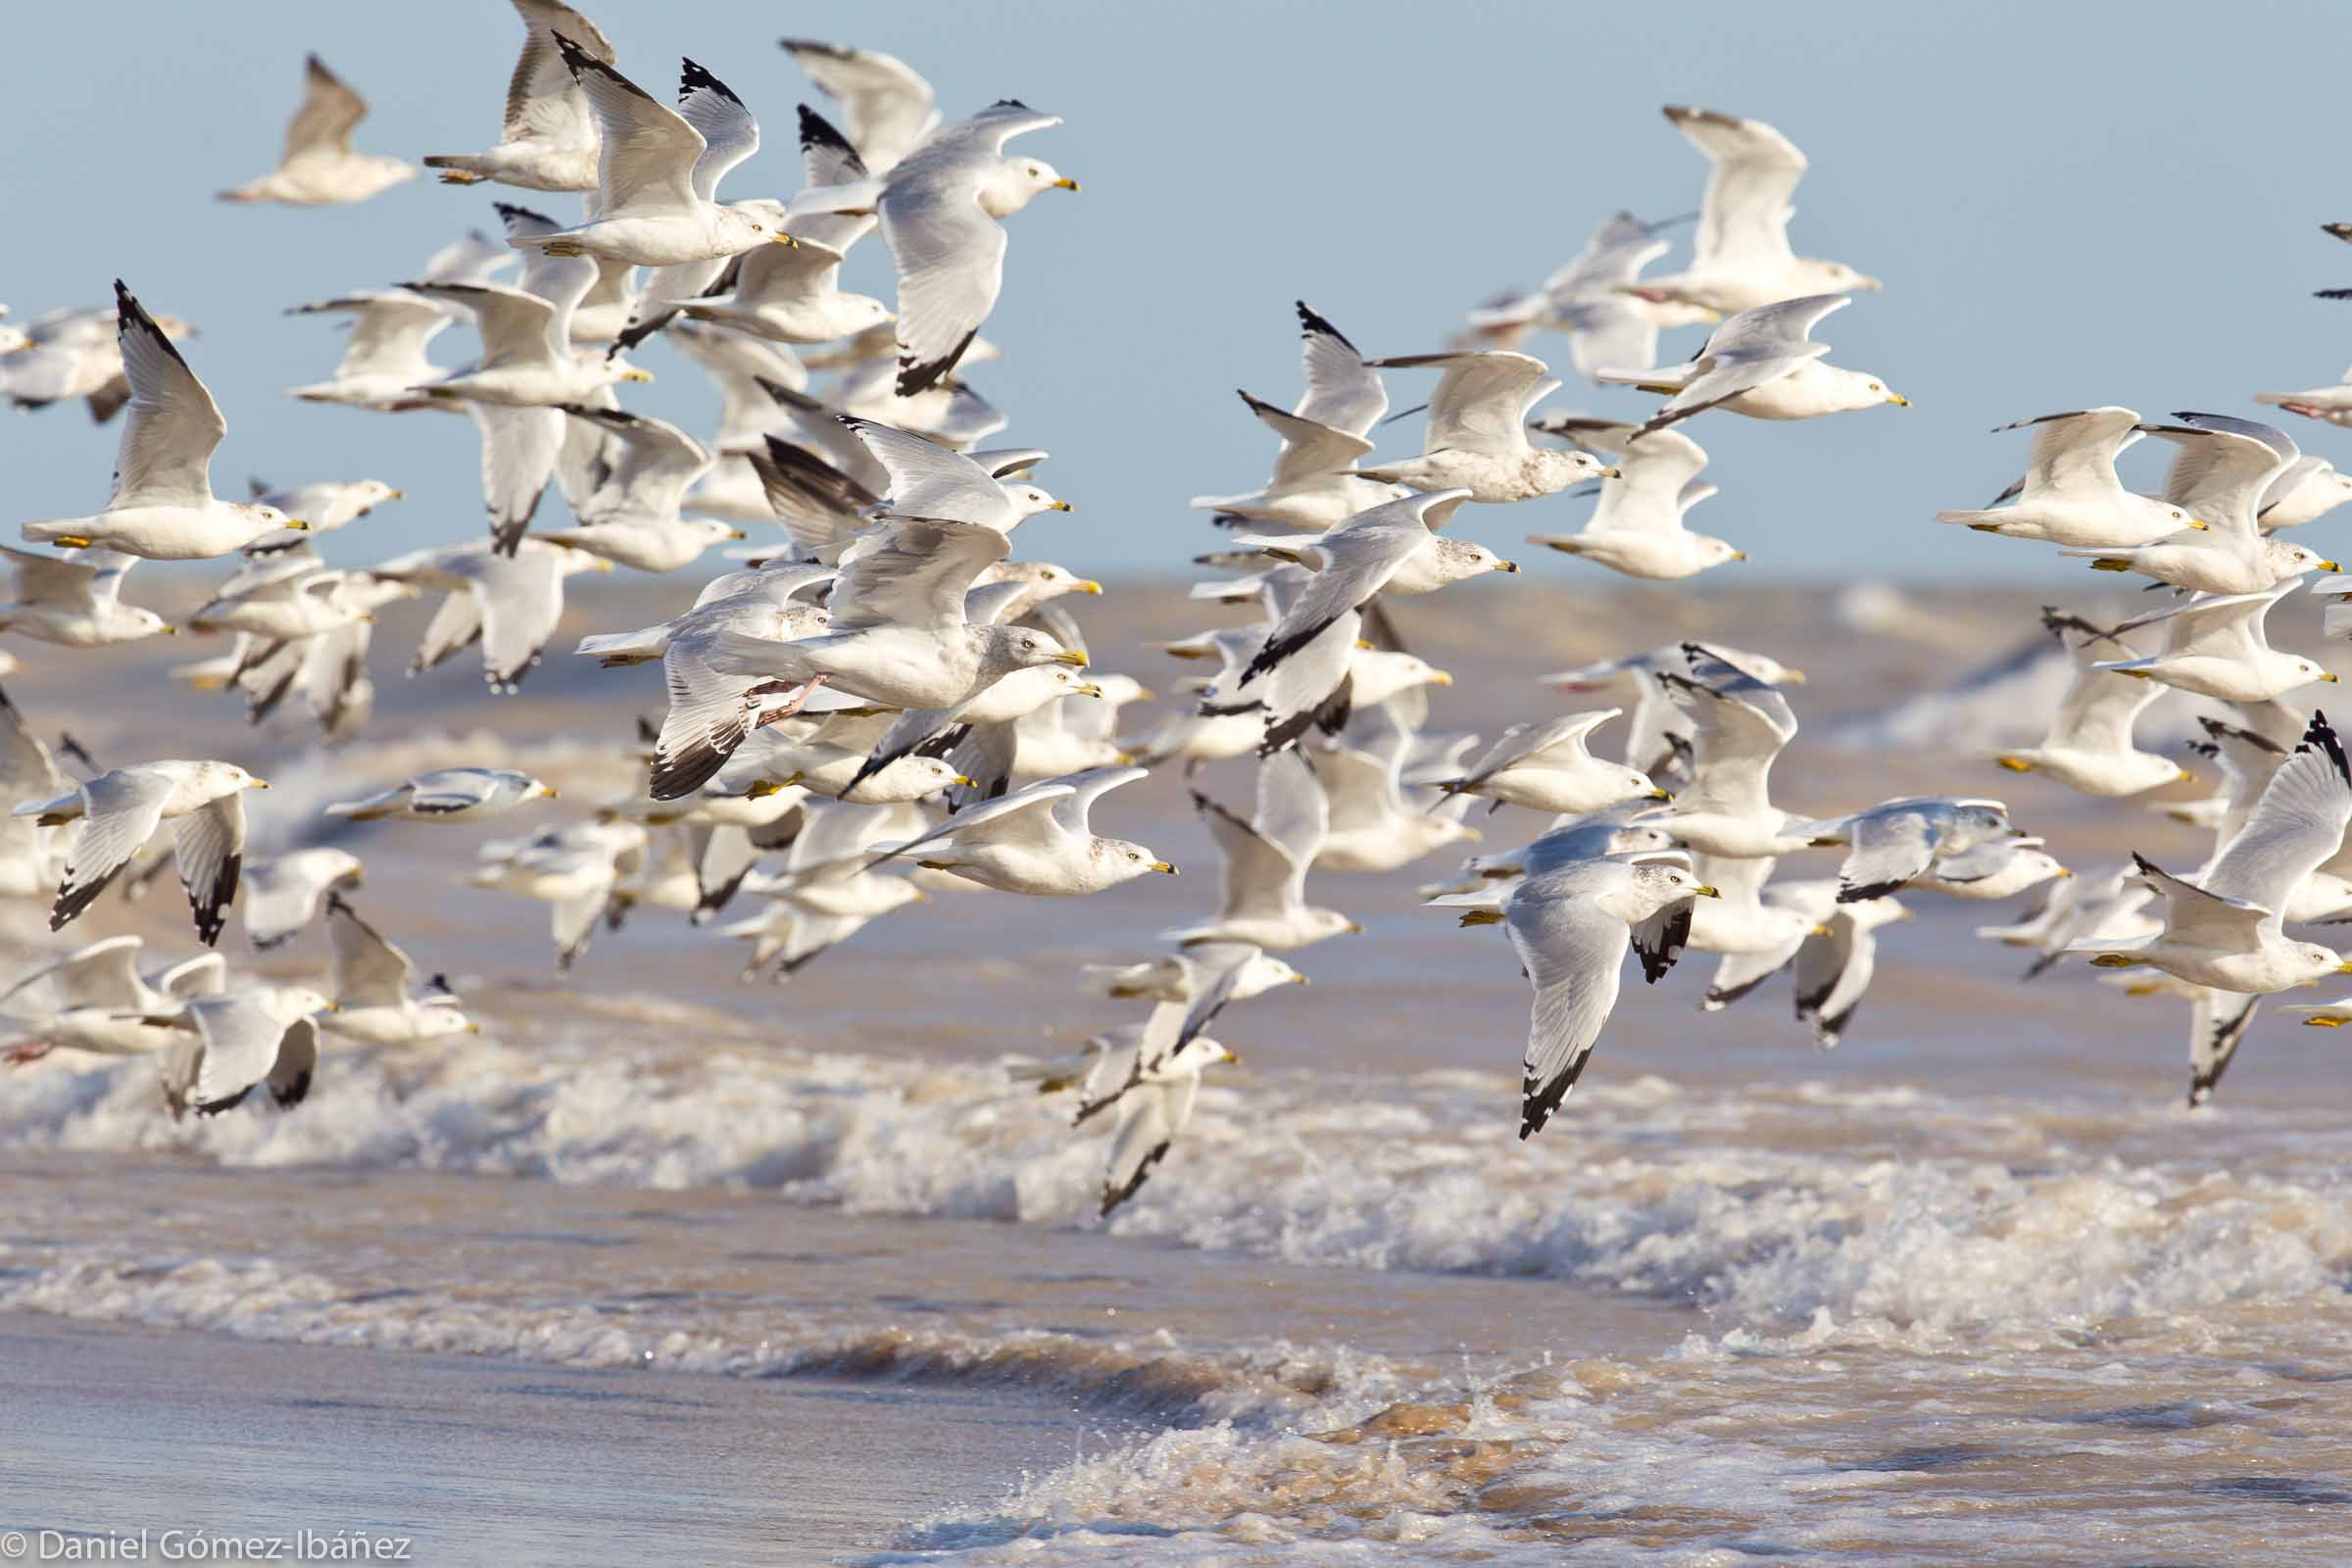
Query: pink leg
x=31, y=1051
x=799, y=699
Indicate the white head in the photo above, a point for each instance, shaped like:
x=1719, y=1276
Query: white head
x=1321, y=923
x=926, y=776
x=1666, y=883
x=1631, y=783
x=267, y=518
x=1196, y=1055
x=1129, y=858
x=1028, y=499
x=1026, y=648
x=1814, y=277
x=538, y=790
x=212, y=780
x=1561, y=468
x=1262, y=972
x=738, y=231
x=712, y=531
x=372, y=493
x=143, y=622
x=2287, y=560
x=2319, y=963
x=436, y=1020
x=1868, y=391
x=1462, y=558
x=1049, y=580
x=1714, y=552
x=2308, y=670
x=295, y=1002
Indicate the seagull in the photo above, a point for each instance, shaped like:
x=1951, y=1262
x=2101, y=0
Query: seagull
x=29, y=852
x=1178, y=976
x=833, y=755
x=1764, y=363
x=384, y=361
x=284, y=894
x=1036, y=840
x=1263, y=897
x=1740, y=920
x=549, y=140
x=1372, y=825
x=1543, y=765
x=899, y=634
x=2071, y=494
x=1834, y=957
x=1154, y=1109
x=318, y=168
x=1571, y=927
x=162, y=505
x=1307, y=653
x=2088, y=745
x=1592, y=300
x=119, y=811
x=1659, y=731
x=2217, y=646
x=1741, y=259
x=2307, y=490
x=658, y=171
x=1742, y=725
x=928, y=483
x=632, y=519
x=1896, y=842
x=2108, y=909
x=1999, y=868
x=372, y=977
x=1638, y=527
x=75, y=603
x=942, y=208
x=1477, y=434
x=2225, y=930
x=888, y=107
x=73, y=354
x=96, y=1001
x=574, y=870
x=243, y=1039
x=2220, y=475
x=448, y=795
x=1314, y=485
x=509, y=602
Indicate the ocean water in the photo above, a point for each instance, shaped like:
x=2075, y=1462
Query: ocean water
x=1976, y=1287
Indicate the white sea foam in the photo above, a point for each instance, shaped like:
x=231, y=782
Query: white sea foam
x=1680, y=1196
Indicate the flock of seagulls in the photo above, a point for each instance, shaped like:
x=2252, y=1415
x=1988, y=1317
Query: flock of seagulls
x=877, y=702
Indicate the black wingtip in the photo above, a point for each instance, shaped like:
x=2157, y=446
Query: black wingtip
x=1010, y=103
x=692, y=79
x=512, y=211
x=817, y=131
x=1309, y=322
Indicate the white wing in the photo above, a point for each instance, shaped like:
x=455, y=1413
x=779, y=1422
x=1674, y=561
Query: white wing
x=1572, y=951
x=2296, y=827
x=648, y=153
x=1743, y=218
x=369, y=971
x=1481, y=400
x=123, y=810
x=209, y=844
x=166, y=455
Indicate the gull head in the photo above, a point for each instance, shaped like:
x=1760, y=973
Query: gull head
x=1833, y=277
x=2311, y=671
x=2287, y=560
x=373, y=493
x=1127, y=859
x=1012, y=648
x=540, y=790
x=297, y=1002
x=214, y=780
x=1886, y=394
x=739, y=230
x=148, y=624
x=1040, y=175
x=2318, y=962
x=1713, y=551
x=440, y=1018
x=1028, y=499
x=267, y=518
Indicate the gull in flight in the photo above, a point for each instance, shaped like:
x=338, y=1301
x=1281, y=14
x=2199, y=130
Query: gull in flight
x=1763, y=362
x=371, y=979
x=318, y=168
x=549, y=140
x=1636, y=527
x=659, y=170
x=1477, y=433
x=1741, y=259
x=2071, y=494
x=162, y=505
x=119, y=811
x=2089, y=746
x=2224, y=469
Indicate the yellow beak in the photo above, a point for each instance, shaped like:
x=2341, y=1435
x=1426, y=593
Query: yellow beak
x=257, y=783
x=302, y=527
x=783, y=239
x=1506, y=565
x=1898, y=399
x=1064, y=506
x=1069, y=186
x=1086, y=585
x=1709, y=890
x=632, y=373
x=1163, y=865
x=1071, y=656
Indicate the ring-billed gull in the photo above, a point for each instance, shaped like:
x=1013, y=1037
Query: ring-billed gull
x=888, y=105
x=2217, y=646
x=370, y=979
x=928, y=483
x=75, y=603
x=1307, y=656
x=2088, y=745
x=318, y=168
x=283, y=894
x=74, y=354
x=1740, y=258
x=549, y=139
x=572, y=870
x=1740, y=920
x=1176, y=976
x=1154, y=1109
x=234, y=1042
x=632, y=519
x=2224, y=467
x=1331, y=427
x=2110, y=908
x=325, y=505
x=509, y=603
x=1763, y=362
x=1896, y=842
x=942, y=208
x=1636, y=527
x=162, y=505
x=1543, y=765
x=120, y=810
x=1740, y=725
x=1834, y=958
x=1477, y=433
x=29, y=852
x=2309, y=489
x=1591, y=299
x=448, y=795
x=384, y=359
x=2071, y=494
x=1263, y=898
x=658, y=171
x=95, y=1001
x=2225, y=930
x=1036, y=840
x=1996, y=870
x=1373, y=826
x=833, y=755
x=1571, y=927
x=897, y=633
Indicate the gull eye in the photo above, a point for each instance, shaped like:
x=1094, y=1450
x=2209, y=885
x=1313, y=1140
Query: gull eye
x=1875, y=387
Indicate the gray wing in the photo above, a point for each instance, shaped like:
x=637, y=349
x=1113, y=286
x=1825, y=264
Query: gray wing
x=542, y=99
x=1888, y=849
x=520, y=448
x=166, y=455
x=951, y=265
x=209, y=845
x=241, y=1041
x=330, y=112
x=1293, y=813
x=1342, y=392
x=1151, y=1116
x=1572, y=951
x=1831, y=973
x=369, y=971
x=123, y=810
x=2296, y=827
x=520, y=599
x=729, y=132
x=1481, y=400
x=927, y=481
x=888, y=105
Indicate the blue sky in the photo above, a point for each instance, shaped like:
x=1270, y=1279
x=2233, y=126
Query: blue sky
x=2069, y=206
